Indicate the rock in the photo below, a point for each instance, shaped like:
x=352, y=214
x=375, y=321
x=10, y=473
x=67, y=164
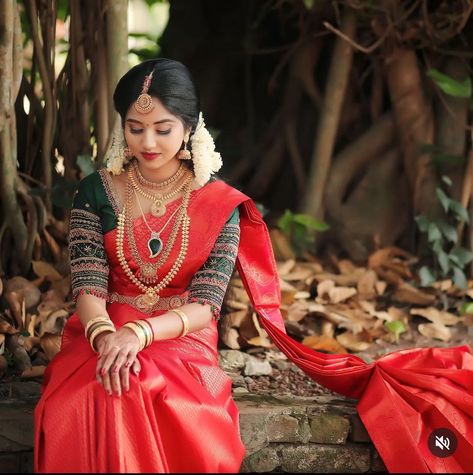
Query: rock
x=240, y=390
x=231, y=360
x=329, y=428
x=238, y=381
x=322, y=459
x=255, y=367
x=265, y=460
x=281, y=365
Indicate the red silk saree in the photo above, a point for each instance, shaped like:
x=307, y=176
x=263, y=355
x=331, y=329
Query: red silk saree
x=179, y=415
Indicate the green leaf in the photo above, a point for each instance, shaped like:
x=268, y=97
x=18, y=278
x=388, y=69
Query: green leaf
x=448, y=231
x=446, y=179
x=426, y=276
x=459, y=278
x=460, y=212
x=451, y=86
x=433, y=233
x=86, y=164
x=467, y=307
x=310, y=222
x=309, y=4
x=422, y=222
x=442, y=258
x=285, y=221
x=463, y=256
x=444, y=199
x=396, y=327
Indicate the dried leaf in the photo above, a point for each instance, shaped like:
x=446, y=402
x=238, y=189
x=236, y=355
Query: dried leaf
x=366, y=285
x=436, y=316
x=353, y=342
x=345, y=266
x=235, y=318
x=2, y=343
x=297, y=311
x=302, y=295
x=299, y=274
x=442, y=285
x=260, y=341
x=409, y=294
x=230, y=337
x=27, y=342
x=380, y=286
x=33, y=372
x=51, y=345
x=323, y=343
x=435, y=330
x=327, y=291
x=52, y=323
x=285, y=267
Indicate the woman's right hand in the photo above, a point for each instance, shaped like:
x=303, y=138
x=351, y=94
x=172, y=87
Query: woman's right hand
x=117, y=353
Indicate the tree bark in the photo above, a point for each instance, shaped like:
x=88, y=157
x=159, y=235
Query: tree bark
x=415, y=128
x=337, y=81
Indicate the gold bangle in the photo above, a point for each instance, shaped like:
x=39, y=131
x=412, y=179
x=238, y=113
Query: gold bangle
x=149, y=335
x=96, y=325
x=98, y=331
x=98, y=318
x=185, y=321
x=139, y=332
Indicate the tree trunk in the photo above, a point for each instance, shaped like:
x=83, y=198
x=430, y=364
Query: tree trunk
x=337, y=81
x=415, y=128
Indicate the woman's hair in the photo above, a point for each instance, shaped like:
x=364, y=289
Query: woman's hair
x=172, y=84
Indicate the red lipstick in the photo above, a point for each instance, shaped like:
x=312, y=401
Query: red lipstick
x=149, y=156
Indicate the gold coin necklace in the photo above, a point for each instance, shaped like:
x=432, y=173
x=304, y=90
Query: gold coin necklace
x=158, y=208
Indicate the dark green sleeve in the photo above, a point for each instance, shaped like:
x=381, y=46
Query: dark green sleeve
x=88, y=260
x=210, y=282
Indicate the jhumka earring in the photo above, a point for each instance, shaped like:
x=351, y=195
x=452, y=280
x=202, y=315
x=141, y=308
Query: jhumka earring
x=144, y=103
x=184, y=154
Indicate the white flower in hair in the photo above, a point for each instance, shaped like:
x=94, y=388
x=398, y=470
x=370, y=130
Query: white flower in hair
x=204, y=157
x=115, y=155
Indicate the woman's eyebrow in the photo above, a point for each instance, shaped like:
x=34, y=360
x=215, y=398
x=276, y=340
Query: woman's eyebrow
x=154, y=123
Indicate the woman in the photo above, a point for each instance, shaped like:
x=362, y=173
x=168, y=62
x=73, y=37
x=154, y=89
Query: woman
x=136, y=386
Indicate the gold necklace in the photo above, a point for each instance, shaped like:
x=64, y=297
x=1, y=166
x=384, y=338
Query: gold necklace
x=159, y=184
x=158, y=208
x=150, y=293
x=148, y=270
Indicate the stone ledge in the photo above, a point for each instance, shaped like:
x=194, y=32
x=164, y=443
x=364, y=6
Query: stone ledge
x=280, y=433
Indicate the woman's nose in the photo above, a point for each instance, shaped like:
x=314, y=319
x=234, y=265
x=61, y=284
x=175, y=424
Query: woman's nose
x=148, y=139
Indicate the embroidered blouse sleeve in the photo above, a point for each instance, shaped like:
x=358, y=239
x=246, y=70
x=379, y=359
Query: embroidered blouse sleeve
x=210, y=282
x=88, y=260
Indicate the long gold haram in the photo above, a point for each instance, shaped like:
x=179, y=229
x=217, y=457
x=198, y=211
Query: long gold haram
x=150, y=296
x=148, y=270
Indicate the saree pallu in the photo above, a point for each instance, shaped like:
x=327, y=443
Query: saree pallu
x=179, y=414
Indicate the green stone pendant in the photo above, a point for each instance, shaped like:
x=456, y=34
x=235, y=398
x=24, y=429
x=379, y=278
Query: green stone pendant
x=155, y=245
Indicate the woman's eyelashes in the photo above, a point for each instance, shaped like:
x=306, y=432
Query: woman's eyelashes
x=159, y=132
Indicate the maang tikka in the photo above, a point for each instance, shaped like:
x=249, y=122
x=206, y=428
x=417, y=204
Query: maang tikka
x=144, y=103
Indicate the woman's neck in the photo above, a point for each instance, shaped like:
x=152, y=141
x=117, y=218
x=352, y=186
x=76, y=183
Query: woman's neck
x=160, y=174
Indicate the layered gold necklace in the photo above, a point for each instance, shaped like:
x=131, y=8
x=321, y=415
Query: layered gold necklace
x=148, y=271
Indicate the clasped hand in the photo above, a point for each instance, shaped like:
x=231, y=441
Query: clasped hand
x=116, y=356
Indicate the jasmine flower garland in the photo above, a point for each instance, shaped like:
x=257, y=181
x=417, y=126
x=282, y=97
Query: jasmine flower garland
x=204, y=157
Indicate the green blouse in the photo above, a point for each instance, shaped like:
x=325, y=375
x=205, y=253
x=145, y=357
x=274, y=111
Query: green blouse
x=93, y=215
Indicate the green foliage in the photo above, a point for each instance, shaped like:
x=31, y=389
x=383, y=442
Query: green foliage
x=300, y=229
x=449, y=85
x=450, y=258
x=467, y=307
x=396, y=327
